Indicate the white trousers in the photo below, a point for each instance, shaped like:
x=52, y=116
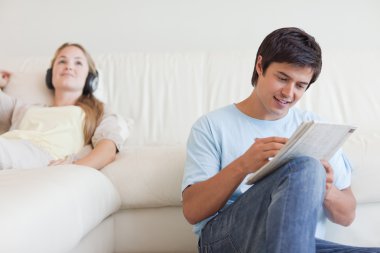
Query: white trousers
x=21, y=154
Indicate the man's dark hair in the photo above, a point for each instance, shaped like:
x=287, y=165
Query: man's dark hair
x=290, y=45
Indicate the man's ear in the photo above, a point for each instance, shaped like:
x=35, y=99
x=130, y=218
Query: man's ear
x=259, y=65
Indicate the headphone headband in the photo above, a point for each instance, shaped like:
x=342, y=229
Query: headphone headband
x=90, y=85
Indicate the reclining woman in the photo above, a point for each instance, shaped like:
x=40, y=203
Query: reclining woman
x=41, y=135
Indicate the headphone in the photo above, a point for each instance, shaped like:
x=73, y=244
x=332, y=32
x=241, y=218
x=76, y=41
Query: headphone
x=90, y=86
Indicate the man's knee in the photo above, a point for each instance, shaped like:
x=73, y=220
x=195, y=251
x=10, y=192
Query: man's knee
x=311, y=167
x=309, y=174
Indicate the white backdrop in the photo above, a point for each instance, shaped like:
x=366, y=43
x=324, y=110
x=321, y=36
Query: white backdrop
x=38, y=27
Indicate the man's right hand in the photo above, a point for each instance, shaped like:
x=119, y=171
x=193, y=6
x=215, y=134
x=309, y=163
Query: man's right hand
x=203, y=199
x=260, y=152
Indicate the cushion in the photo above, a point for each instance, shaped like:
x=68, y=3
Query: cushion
x=148, y=176
x=51, y=209
x=362, y=232
x=31, y=88
x=362, y=150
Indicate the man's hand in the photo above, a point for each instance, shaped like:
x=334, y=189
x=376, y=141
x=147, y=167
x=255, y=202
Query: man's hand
x=260, y=152
x=339, y=205
x=329, y=175
x=4, y=78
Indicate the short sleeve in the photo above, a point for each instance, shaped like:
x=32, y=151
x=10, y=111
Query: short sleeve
x=112, y=127
x=203, y=154
x=342, y=170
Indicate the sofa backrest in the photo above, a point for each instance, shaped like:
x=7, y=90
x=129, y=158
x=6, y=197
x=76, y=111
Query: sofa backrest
x=164, y=93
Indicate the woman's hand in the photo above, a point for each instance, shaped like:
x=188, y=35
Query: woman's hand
x=67, y=160
x=4, y=78
x=103, y=154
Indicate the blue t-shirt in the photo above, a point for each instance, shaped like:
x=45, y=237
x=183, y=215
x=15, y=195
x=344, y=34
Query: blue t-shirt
x=221, y=136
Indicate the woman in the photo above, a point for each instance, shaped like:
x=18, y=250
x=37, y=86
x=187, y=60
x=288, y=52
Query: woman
x=51, y=135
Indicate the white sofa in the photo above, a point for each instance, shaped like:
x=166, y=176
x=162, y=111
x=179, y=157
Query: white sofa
x=134, y=204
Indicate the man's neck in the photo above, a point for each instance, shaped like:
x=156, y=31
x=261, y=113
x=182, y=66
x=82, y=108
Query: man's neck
x=253, y=108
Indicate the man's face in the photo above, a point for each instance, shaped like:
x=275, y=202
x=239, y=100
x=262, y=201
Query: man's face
x=280, y=88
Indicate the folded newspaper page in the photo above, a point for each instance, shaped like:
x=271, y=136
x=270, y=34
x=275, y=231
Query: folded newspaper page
x=315, y=139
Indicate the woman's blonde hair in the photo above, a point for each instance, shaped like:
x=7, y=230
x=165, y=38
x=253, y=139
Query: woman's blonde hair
x=92, y=107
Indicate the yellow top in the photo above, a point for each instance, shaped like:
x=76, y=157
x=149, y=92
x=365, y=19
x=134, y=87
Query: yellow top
x=57, y=130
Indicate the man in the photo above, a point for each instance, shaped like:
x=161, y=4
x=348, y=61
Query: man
x=286, y=210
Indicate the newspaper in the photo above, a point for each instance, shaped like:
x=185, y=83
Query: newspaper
x=315, y=139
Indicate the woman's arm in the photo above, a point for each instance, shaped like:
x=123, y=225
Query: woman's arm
x=7, y=103
x=103, y=153
x=112, y=127
x=108, y=139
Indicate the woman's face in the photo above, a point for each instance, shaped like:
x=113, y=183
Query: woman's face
x=70, y=70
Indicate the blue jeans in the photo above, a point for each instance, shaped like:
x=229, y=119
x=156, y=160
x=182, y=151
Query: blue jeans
x=330, y=247
x=277, y=214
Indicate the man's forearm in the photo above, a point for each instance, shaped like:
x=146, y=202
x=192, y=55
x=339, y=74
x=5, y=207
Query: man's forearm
x=203, y=199
x=340, y=206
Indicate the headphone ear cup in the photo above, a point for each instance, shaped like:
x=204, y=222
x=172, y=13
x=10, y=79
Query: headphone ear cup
x=48, y=79
x=91, y=84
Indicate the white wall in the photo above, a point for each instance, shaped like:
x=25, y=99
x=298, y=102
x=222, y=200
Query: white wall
x=38, y=27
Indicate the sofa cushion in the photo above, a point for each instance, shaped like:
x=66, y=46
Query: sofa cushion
x=148, y=176
x=30, y=87
x=51, y=209
x=359, y=233
x=362, y=150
